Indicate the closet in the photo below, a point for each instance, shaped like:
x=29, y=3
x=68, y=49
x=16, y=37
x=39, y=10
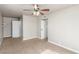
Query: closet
x=11, y=27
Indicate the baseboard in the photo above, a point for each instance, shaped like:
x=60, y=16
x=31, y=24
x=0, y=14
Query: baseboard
x=7, y=36
x=16, y=37
x=75, y=51
x=38, y=37
x=43, y=38
x=27, y=38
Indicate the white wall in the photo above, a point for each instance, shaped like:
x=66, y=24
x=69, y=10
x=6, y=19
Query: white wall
x=1, y=33
x=29, y=27
x=39, y=27
x=7, y=32
x=63, y=27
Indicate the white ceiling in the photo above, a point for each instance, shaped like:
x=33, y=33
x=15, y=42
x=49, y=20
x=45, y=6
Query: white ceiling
x=16, y=10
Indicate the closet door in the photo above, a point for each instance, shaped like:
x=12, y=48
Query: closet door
x=7, y=26
x=16, y=29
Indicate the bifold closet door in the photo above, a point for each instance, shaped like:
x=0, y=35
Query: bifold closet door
x=16, y=29
x=6, y=26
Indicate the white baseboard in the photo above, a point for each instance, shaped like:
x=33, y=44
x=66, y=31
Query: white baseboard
x=75, y=51
x=38, y=37
x=27, y=38
x=7, y=36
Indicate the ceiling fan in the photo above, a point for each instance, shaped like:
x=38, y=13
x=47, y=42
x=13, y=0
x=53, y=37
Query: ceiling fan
x=36, y=10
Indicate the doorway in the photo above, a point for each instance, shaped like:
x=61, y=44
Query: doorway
x=44, y=29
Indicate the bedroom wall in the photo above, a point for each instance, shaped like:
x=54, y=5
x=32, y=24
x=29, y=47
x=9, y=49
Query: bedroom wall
x=39, y=27
x=1, y=33
x=29, y=27
x=63, y=28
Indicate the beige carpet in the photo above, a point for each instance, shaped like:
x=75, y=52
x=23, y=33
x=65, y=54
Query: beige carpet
x=49, y=52
x=32, y=46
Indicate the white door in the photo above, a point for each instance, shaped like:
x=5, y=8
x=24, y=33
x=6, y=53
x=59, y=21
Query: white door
x=16, y=29
x=43, y=29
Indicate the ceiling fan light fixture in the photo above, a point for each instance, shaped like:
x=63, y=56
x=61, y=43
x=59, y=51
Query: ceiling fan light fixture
x=35, y=7
x=34, y=13
x=38, y=13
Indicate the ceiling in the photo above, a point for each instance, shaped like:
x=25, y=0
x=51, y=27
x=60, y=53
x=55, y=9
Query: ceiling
x=16, y=10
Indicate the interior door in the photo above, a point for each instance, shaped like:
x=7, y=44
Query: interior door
x=16, y=29
x=43, y=29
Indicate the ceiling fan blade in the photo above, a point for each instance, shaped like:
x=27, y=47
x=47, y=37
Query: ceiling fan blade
x=45, y=10
x=41, y=13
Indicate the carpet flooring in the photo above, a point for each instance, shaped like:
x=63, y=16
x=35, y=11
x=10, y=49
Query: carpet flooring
x=32, y=46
